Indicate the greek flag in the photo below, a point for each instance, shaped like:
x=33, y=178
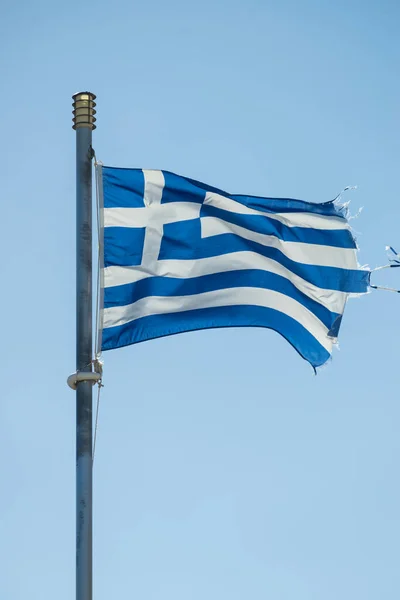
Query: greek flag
x=180, y=256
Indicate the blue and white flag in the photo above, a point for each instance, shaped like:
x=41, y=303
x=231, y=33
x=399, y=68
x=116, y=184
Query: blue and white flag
x=180, y=256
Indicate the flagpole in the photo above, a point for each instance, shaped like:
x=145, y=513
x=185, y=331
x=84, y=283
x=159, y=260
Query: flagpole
x=84, y=124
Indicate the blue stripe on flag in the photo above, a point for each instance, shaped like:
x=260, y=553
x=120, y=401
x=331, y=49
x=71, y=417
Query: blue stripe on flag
x=287, y=205
x=177, y=189
x=156, y=326
x=339, y=238
x=331, y=278
x=125, y=187
x=274, y=205
x=168, y=286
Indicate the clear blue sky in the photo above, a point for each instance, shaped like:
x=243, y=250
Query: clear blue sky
x=225, y=469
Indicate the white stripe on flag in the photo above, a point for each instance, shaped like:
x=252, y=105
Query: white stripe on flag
x=300, y=219
x=153, y=189
x=308, y=254
x=156, y=305
x=171, y=212
x=183, y=269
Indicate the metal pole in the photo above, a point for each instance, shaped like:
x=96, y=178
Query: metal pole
x=84, y=124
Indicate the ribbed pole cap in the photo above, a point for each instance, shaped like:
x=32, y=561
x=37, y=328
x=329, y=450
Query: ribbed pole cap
x=84, y=103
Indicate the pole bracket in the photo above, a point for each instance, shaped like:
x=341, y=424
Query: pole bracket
x=79, y=376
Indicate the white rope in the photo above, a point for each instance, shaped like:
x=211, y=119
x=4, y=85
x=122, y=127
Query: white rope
x=380, y=268
x=97, y=362
x=387, y=289
x=394, y=263
x=100, y=385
